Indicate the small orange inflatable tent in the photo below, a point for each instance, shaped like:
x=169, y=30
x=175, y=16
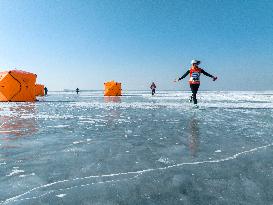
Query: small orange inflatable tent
x=17, y=86
x=112, y=88
x=39, y=90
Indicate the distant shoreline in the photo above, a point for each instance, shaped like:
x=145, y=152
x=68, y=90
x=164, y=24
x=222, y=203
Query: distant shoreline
x=166, y=90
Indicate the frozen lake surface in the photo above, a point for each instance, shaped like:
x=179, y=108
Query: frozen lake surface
x=138, y=149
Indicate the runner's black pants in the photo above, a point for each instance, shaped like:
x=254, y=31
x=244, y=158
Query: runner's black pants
x=194, y=90
x=153, y=91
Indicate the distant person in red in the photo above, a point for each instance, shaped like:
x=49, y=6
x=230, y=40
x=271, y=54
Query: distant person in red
x=153, y=87
x=194, y=81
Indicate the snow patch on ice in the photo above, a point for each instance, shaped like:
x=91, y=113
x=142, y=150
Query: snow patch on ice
x=78, y=142
x=164, y=160
x=15, y=171
x=26, y=175
x=59, y=126
x=61, y=195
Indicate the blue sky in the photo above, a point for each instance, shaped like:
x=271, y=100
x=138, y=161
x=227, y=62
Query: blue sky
x=71, y=44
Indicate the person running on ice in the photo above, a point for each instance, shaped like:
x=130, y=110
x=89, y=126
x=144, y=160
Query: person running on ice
x=153, y=87
x=194, y=81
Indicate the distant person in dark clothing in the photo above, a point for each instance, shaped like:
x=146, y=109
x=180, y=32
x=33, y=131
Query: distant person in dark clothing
x=153, y=87
x=45, y=89
x=77, y=90
x=194, y=81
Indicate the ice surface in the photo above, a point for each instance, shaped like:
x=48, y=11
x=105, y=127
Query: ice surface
x=138, y=149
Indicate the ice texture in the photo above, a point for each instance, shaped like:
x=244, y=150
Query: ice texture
x=138, y=149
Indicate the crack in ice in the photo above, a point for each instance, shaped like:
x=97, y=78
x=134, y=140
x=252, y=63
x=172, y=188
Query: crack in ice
x=72, y=187
x=16, y=198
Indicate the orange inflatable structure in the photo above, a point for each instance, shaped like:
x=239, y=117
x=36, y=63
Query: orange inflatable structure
x=17, y=86
x=39, y=90
x=112, y=88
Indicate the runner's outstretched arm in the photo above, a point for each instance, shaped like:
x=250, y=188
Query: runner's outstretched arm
x=183, y=76
x=207, y=74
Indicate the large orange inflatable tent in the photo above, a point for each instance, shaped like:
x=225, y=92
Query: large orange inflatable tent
x=17, y=86
x=112, y=88
x=39, y=90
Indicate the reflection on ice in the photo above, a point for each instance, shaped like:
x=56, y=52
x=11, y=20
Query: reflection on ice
x=114, y=99
x=194, y=136
x=17, y=121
